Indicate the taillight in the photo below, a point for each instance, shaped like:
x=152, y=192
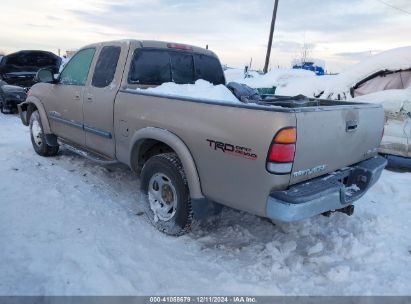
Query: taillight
x=282, y=151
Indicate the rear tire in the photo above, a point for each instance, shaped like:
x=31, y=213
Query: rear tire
x=38, y=138
x=166, y=195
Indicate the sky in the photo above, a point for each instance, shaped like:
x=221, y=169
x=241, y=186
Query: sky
x=340, y=32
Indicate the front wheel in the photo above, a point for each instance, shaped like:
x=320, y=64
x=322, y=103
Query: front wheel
x=167, y=198
x=38, y=139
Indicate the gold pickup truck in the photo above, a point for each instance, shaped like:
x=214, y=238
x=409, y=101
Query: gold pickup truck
x=279, y=158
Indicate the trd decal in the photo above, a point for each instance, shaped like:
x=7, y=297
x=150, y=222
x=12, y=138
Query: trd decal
x=232, y=149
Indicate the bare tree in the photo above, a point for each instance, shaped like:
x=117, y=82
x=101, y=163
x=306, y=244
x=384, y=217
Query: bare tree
x=305, y=53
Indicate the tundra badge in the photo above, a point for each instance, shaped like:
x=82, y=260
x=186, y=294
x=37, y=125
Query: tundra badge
x=311, y=171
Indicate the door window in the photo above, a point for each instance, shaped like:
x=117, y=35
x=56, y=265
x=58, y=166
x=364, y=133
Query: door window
x=76, y=70
x=106, y=66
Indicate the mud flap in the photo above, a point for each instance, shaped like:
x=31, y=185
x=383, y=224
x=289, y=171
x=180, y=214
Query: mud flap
x=203, y=208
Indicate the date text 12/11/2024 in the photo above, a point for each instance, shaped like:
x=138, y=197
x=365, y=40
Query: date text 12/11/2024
x=204, y=299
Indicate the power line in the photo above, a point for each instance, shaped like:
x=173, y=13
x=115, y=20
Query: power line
x=394, y=7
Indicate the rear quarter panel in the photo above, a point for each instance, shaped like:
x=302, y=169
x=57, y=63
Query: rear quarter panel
x=232, y=180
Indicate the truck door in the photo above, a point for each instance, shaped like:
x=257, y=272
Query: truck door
x=64, y=100
x=99, y=98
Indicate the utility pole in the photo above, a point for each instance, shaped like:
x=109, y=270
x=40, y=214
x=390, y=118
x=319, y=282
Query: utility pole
x=270, y=38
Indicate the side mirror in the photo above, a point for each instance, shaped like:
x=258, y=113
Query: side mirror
x=44, y=75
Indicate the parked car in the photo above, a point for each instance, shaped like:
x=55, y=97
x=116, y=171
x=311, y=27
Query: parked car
x=397, y=107
x=281, y=158
x=10, y=97
x=20, y=68
x=17, y=72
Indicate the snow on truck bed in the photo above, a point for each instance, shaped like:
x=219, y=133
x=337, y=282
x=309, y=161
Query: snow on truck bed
x=71, y=227
x=201, y=89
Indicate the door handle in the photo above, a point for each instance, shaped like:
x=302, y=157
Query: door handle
x=351, y=126
x=90, y=98
x=76, y=97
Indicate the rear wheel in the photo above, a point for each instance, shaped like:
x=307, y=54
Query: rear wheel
x=38, y=138
x=167, y=199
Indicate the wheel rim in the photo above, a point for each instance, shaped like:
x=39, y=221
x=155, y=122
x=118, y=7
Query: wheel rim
x=162, y=196
x=37, y=133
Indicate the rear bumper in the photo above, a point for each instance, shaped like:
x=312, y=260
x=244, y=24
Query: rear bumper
x=331, y=192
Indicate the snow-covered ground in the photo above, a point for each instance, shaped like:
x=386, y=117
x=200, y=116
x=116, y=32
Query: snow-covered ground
x=71, y=227
x=274, y=78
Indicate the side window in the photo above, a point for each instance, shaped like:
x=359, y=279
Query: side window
x=182, y=68
x=106, y=66
x=150, y=67
x=76, y=70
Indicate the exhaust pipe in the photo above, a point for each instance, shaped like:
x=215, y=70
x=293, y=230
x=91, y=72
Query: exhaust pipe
x=349, y=210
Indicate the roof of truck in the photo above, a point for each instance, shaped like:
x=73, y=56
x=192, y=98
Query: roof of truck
x=157, y=44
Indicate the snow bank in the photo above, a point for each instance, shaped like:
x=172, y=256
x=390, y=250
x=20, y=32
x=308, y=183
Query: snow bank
x=309, y=86
x=395, y=59
x=201, y=90
x=392, y=100
x=235, y=74
x=274, y=78
x=396, y=104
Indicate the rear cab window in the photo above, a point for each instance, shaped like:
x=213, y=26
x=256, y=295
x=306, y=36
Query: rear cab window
x=208, y=68
x=157, y=66
x=150, y=67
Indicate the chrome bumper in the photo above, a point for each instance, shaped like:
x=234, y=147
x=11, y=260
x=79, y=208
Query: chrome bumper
x=331, y=192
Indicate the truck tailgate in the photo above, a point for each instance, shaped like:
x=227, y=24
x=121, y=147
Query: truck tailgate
x=332, y=138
